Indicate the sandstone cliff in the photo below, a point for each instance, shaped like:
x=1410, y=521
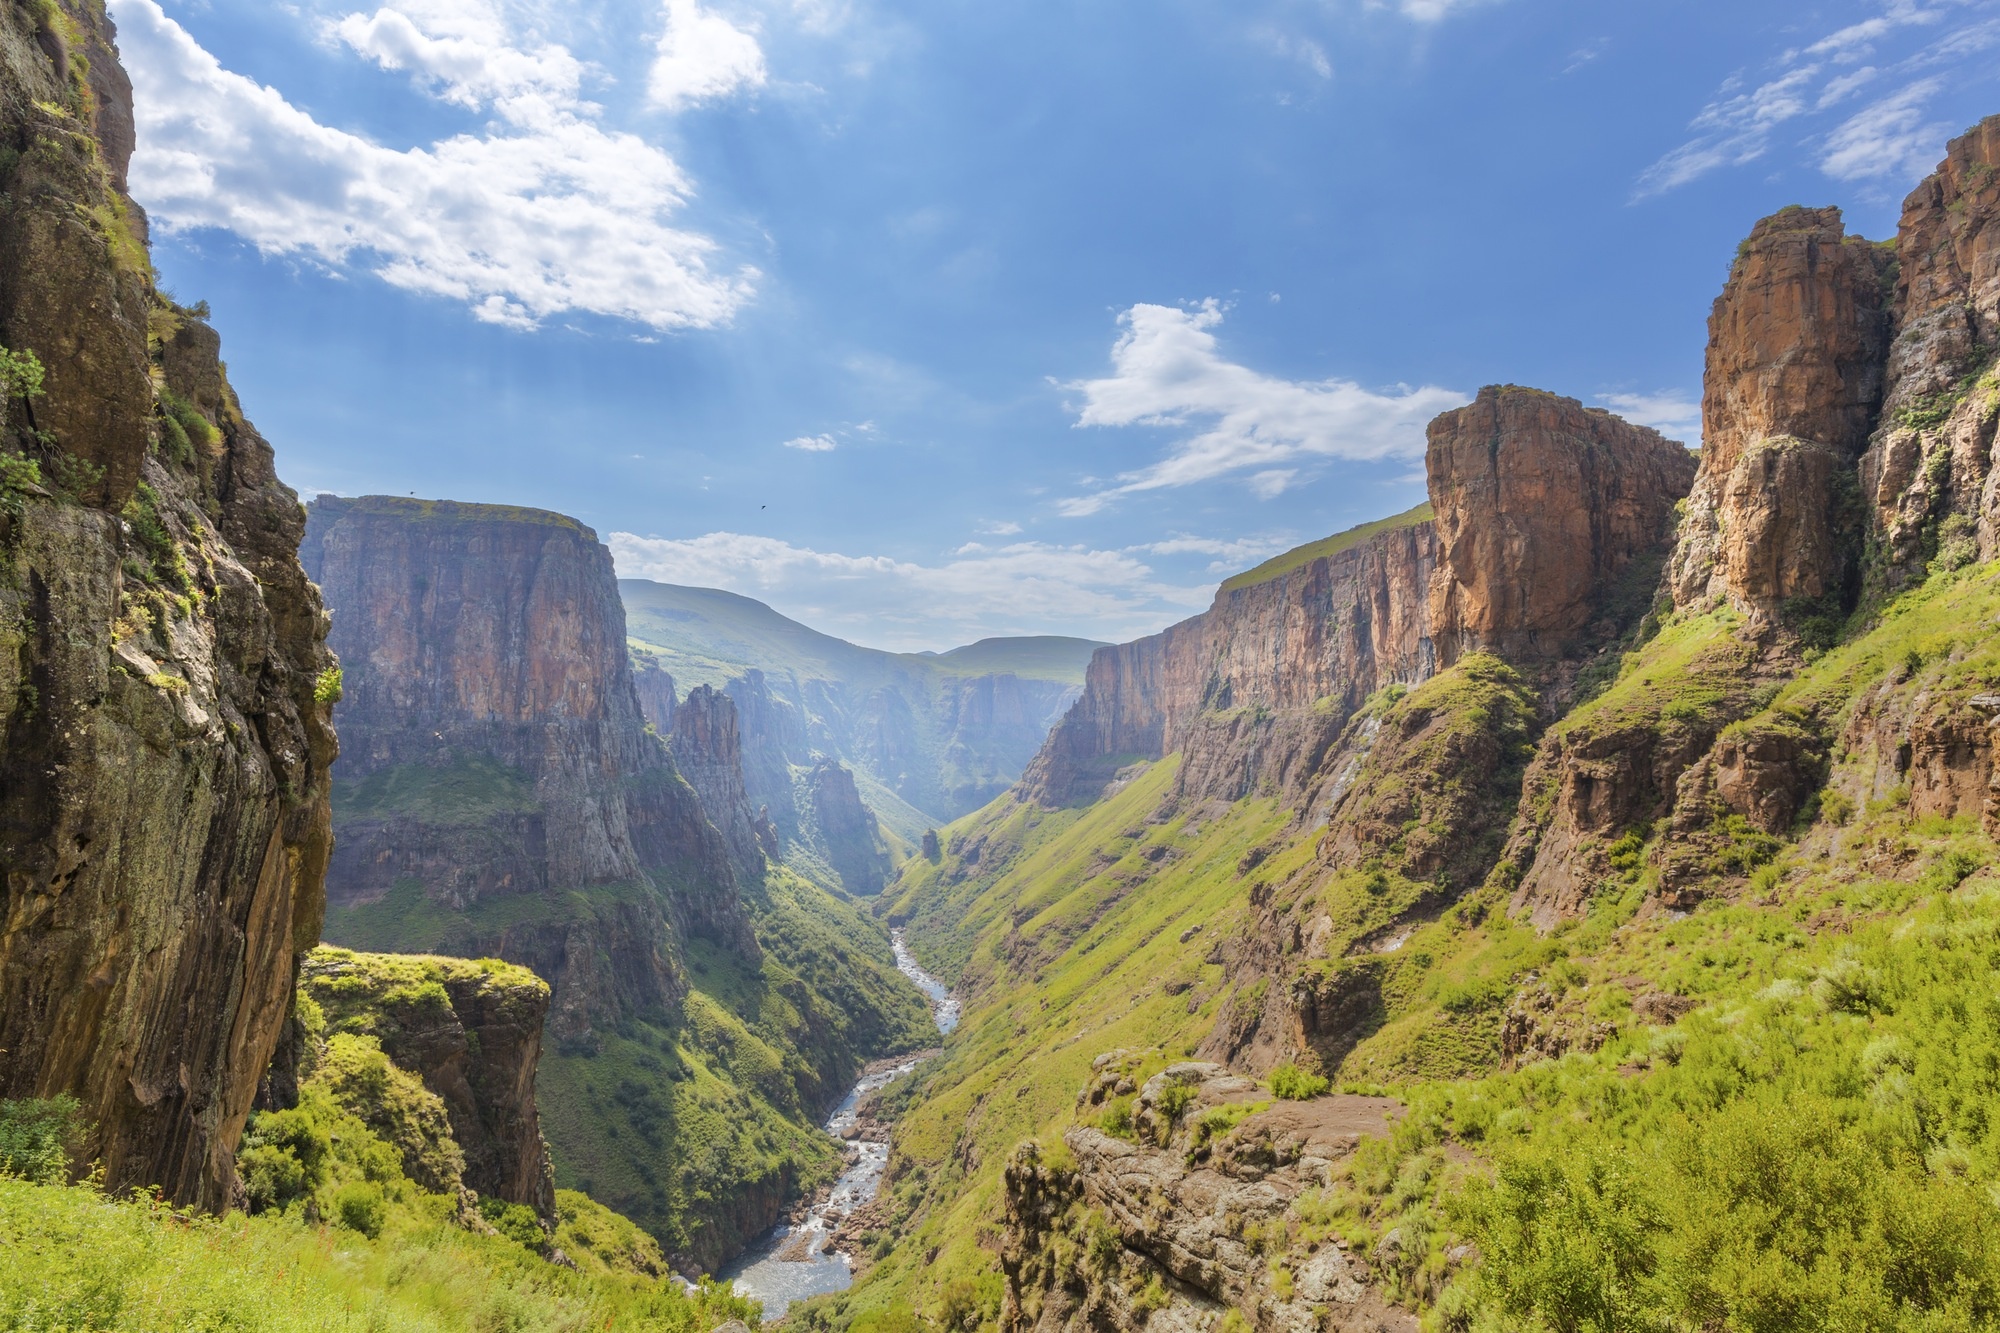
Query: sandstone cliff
x=164, y=682
x=1255, y=687
x=497, y=751
x=1544, y=507
x=708, y=749
x=472, y=1031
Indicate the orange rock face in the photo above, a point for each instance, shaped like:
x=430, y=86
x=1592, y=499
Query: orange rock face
x=1794, y=378
x=1542, y=504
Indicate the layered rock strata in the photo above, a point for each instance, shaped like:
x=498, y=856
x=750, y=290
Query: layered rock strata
x=498, y=749
x=164, y=680
x=472, y=1031
x=1254, y=688
x=1543, y=507
x=1183, y=1209
x=1794, y=379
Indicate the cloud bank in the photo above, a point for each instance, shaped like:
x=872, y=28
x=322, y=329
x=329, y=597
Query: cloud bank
x=541, y=213
x=1168, y=371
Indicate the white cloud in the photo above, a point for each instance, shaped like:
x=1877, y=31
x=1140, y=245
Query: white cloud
x=977, y=590
x=814, y=444
x=1167, y=371
x=702, y=56
x=1007, y=528
x=463, y=50
x=544, y=213
x=1432, y=11
x=1888, y=138
x=1669, y=411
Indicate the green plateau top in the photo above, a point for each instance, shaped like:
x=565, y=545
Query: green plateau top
x=1325, y=546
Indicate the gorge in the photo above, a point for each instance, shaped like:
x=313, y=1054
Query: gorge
x=1570, y=903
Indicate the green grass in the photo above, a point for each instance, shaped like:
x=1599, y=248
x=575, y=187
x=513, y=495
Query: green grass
x=407, y=509
x=673, y=1117
x=71, y=1259
x=1326, y=546
x=1036, y=657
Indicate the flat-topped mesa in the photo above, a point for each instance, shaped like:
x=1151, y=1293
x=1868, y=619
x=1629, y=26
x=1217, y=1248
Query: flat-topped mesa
x=164, y=679
x=1793, y=381
x=1251, y=689
x=499, y=747
x=1545, y=509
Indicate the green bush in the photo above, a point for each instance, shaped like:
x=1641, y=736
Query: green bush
x=283, y=1157
x=516, y=1221
x=37, y=1136
x=327, y=689
x=361, y=1207
x=1295, y=1084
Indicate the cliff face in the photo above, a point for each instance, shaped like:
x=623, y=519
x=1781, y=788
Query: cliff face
x=1254, y=687
x=1793, y=381
x=709, y=752
x=1542, y=507
x=472, y=1031
x=163, y=758
x=498, y=750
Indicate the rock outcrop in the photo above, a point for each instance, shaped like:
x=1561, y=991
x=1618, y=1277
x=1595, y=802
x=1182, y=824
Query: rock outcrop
x=164, y=680
x=709, y=752
x=497, y=749
x=472, y=1031
x=1253, y=689
x=657, y=700
x=1200, y=1223
x=847, y=830
x=1544, y=507
x=1794, y=379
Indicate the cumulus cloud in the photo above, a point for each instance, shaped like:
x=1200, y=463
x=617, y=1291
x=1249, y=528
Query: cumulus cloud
x=1890, y=139
x=814, y=444
x=976, y=590
x=545, y=212
x=1669, y=411
x=702, y=56
x=1167, y=370
x=462, y=51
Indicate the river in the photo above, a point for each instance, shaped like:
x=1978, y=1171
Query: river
x=791, y=1262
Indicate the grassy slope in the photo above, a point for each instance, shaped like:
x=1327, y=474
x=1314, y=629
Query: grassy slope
x=674, y=1115
x=1325, y=546
x=1035, y=657
x=1839, y=1060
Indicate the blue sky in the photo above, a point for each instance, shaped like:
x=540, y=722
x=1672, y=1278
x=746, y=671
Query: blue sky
x=929, y=320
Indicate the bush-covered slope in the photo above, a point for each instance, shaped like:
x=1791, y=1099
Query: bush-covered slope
x=700, y=1120
x=1741, y=1080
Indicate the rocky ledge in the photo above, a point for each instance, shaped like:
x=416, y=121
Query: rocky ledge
x=1206, y=1211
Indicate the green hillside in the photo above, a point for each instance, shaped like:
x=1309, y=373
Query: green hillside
x=730, y=1086
x=1777, y=1101
x=910, y=726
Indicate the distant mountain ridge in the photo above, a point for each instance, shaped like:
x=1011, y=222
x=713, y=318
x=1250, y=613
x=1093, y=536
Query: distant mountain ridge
x=929, y=737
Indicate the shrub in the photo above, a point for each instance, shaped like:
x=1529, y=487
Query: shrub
x=36, y=1137
x=1174, y=1101
x=1295, y=1084
x=360, y=1207
x=516, y=1221
x=327, y=689
x=283, y=1157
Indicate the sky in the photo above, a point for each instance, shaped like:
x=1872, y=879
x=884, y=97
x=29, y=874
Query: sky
x=927, y=320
